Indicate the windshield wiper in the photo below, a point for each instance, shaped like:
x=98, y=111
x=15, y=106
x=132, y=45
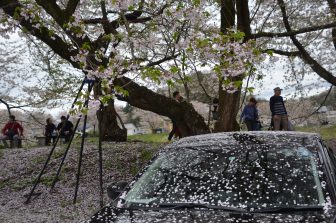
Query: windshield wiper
x=286, y=209
x=198, y=205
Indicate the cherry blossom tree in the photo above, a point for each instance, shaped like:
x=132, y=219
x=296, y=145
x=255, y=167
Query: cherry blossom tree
x=122, y=44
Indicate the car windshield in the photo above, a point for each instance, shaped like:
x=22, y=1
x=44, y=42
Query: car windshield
x=246, y=176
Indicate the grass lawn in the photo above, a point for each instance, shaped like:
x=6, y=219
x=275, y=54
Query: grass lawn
x=149, y=138
x=327, y=132
x=153, y=138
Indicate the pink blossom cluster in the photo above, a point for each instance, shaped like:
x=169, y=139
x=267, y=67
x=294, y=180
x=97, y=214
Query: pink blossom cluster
x=124, y=4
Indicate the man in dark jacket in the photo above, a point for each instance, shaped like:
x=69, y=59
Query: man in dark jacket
x=65, y=129
x=50, y=132
x=278, y=109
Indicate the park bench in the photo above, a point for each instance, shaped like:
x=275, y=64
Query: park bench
x=40, y=140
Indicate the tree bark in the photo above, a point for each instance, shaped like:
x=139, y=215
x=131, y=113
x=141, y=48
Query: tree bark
x=108, y=124
x=228, y=102
x=187, y=119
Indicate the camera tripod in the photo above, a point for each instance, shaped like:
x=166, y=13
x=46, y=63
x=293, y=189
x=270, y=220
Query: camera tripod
x=90, y=84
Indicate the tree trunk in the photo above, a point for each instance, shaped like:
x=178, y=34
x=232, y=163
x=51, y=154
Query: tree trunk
x=187, y=119
x=108, y=124
x=228, y=109
x=229, y=102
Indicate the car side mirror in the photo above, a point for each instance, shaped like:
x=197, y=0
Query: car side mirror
x=115, y=189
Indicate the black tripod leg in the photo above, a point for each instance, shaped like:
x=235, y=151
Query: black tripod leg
x=37, y=181
x=101, y=165
x=80, y=160
x=86, y=104
x=65, y=154
x=51, y=151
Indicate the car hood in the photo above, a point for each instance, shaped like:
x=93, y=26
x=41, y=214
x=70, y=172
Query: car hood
x=111, y=214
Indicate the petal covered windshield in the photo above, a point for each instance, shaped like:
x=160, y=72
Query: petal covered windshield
x=252, y=176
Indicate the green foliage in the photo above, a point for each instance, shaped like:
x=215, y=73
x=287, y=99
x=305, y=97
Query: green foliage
x=151, y=138
x=174, y=69
x=250, y=90
x=17, y=13
x=121, y=91
x=152, y=73
x=170, y=83
x=196, y=2
x=106, y=98
x=86, y=46
x=327, y=132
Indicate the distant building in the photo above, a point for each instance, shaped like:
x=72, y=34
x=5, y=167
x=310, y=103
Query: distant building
x=131, y=129
x=331, y=117
x=135, y=130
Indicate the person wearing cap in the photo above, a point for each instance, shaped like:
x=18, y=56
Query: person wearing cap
x=65, y=129
x=250, y=115
x=278, y=109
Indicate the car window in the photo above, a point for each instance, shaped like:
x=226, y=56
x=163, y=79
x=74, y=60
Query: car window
x=242, y=176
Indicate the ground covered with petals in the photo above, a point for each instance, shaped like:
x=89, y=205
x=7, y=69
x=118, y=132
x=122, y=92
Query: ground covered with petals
x=20, y=167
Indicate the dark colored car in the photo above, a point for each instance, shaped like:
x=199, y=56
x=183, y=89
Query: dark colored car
x=266, y=177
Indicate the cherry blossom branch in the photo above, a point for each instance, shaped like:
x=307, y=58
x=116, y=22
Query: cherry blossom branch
x=283, y=53
x=320, y=70
x=293, y=32
x=55, y=42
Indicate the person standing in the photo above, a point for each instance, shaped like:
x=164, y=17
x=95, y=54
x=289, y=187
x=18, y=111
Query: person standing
x=250, y=115
x=175, y=131
x=278, y=109
x=12, y=131
x=50, y=132
x=65, y=129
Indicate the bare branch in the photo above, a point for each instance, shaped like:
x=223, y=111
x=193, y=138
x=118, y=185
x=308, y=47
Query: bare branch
x=71, y=7
x=321, y=71
x=293, y=32
x=284, y=53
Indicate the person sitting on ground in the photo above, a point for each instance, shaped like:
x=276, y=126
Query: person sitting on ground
x=278, y=109
x=12, y=131
x=50, y=132
x=65, y=129
x=175, y=131
x=250, y=115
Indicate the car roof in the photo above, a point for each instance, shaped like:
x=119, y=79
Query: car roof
x=231, y=138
